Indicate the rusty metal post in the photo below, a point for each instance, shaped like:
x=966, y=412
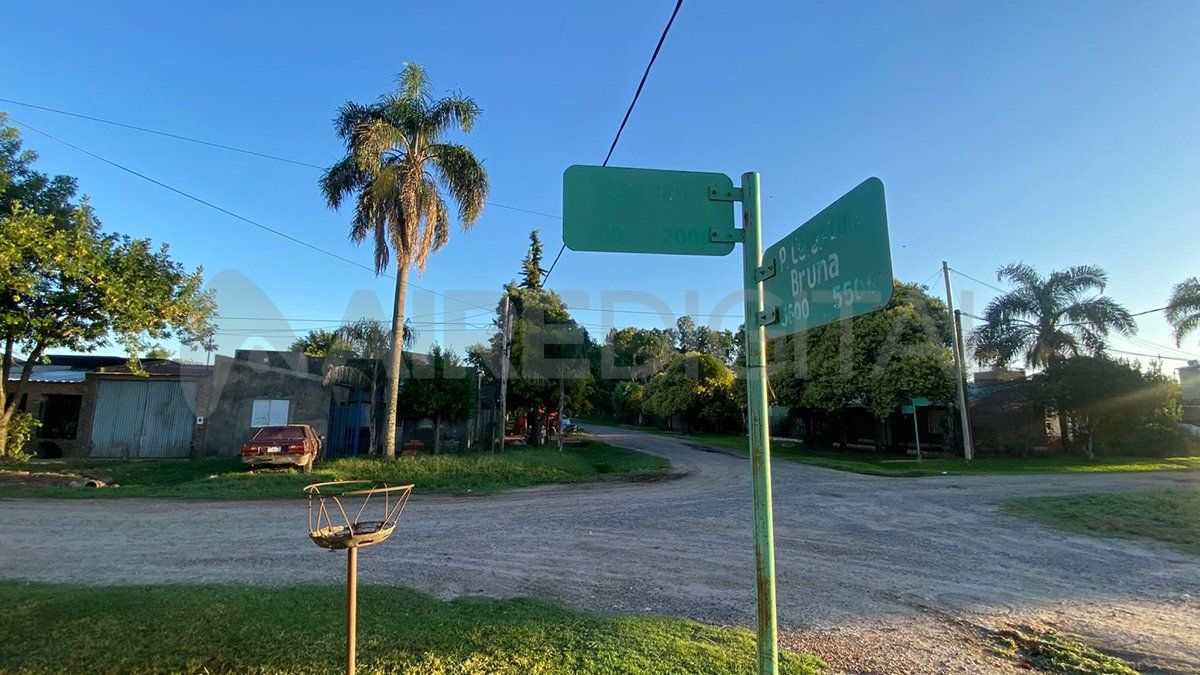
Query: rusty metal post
x=760, y=437
x=351, y=606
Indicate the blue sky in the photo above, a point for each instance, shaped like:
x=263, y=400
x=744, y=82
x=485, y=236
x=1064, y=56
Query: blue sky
x=1053, y=133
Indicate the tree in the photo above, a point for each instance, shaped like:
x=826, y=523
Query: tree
x=548, y=350
x=321, y=343
x=640, y=352
x=1183, y=309
x=687, y=337
x=690, y=337
x=697, y=387
x=1049, y=317
x=531, y=267
x=367, y=347
x=880, y=360
x=396, y=166
x=1111, y=403
x=66, y=284
x=440, y=390
x=158, y=352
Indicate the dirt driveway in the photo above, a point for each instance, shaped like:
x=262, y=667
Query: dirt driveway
x=877, y=575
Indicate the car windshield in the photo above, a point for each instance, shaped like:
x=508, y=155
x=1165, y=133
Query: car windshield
x=279, y=434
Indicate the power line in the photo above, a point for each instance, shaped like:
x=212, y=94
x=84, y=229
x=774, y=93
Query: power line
x=223, y=146
x=978, y=281
x=1001, y=290
x=235, y=215
x=653, y=57
x=1149, y=356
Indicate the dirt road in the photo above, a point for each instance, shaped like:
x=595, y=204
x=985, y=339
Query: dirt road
x=877, y=575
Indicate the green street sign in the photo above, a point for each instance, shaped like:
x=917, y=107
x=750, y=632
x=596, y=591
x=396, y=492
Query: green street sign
x=918, y=402
x=648, y=211
x=836, y=266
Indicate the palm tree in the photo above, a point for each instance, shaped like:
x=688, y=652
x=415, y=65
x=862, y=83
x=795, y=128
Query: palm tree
x=397, y=163
x=1051, y=317
x=1183, y=310
x=369, y=343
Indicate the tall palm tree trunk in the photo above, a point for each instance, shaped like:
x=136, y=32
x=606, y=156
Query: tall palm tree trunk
x=394, y=371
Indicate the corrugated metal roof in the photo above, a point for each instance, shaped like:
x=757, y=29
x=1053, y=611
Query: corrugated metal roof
x=50, y=373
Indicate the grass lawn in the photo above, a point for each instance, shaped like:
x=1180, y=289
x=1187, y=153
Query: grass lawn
x=55, y=628
x=894, y=465
x=1172, y=516
x=227, y=478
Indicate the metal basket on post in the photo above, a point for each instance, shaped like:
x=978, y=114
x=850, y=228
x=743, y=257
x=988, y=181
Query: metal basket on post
x=330, y=526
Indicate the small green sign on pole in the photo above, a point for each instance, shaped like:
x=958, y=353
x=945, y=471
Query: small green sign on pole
x=683, y=212
x=836, y=266
x=623, y=210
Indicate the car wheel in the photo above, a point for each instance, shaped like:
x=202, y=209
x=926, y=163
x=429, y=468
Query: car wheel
x=307, y=466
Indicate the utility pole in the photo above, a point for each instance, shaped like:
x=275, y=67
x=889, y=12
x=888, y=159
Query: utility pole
x=475, y=423
x=959, y=366
x=504, y=355
x=560, y=409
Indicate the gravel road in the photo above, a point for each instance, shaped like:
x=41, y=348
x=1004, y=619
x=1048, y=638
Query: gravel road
x=876, y=575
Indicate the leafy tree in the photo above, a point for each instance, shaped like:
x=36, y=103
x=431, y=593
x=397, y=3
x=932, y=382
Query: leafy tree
x=531, y=267
x=396, y=166
x=638, y=352
x=549, y=350
x=368, y=346
x=65, y=284
x=690, y=337
x=697, y=387
x=1063, y=314
x=1183, y=309
x=158, y=352
x=687, y=337
x=1111, y=403
x=321, y=343
x=628, y=401
x=440, y=390
x=880, y=360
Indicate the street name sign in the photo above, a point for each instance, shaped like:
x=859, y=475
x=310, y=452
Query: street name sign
x=836, y=266
x=648, y=211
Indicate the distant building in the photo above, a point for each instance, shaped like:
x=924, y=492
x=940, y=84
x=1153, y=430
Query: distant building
x=1189, y=391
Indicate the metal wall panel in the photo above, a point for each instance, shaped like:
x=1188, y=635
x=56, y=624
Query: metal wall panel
x=117, y=424
x=143, y=419
x=169, y=418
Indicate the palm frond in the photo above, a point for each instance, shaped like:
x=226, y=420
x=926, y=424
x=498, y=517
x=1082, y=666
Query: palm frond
x=340, y=180
x=412, y=82
x=1183, y=309
x=1019, y=273
x=454, y=111
x=458, y=169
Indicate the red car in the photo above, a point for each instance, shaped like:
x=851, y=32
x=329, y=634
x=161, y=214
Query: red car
x=288, y=445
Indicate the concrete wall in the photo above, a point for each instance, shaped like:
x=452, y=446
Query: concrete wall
x=253, y=374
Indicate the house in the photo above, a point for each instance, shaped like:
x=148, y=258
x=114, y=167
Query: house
x=96, y=406
x=1189, y=391
x=258, y=388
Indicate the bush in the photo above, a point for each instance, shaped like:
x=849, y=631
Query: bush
x=20, y=430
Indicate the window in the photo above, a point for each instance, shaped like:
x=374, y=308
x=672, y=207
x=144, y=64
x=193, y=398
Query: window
x=280, y=434
x=267, y=412
x=60, y=416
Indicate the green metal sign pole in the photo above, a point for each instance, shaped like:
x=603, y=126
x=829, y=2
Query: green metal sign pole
x=760, y=438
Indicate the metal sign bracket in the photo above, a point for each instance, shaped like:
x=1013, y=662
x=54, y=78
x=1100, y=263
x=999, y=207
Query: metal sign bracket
x=719, y=194
x=765, y=272
x=768, y=317
x=733, y=234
